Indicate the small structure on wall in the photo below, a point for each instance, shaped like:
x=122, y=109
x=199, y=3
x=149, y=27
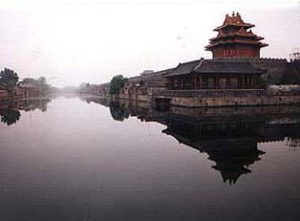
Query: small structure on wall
x=295, y=55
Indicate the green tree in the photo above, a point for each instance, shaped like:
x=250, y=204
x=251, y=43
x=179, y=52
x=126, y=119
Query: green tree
x=8, y=78
x=117, y=83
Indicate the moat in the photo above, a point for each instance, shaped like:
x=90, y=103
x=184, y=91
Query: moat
x=82, y=158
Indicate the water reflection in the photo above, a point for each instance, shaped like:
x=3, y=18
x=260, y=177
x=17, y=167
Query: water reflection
x=76, y=163
x=231, y=144
x=230, y=136
x=9, y=116
x=118, y=113
x=10, y=111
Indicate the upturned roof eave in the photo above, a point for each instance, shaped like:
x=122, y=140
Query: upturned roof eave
x=254, y=36
x=260, y=44
x=245, y=25
x=227, y=72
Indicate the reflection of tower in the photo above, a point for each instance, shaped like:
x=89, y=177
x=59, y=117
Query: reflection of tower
x=228, y=135
x=233, y=157
x=230, y=143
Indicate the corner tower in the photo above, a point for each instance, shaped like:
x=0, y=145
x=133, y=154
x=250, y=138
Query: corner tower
x=235, y=39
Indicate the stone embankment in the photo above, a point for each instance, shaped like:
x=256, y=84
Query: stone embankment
x=217, y=99
x=19, y=93
x=235, y=101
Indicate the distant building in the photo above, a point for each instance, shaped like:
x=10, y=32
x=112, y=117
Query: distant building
x=30, y=87
x=149, y=83
x=16, y=92
x=145, y=72
x=95, y=89
x=28, y=83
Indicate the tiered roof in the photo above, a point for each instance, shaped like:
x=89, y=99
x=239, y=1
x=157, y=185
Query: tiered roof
x=235, y=31
x=234, y=20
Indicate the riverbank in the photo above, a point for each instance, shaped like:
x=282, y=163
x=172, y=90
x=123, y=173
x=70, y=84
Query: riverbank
x=18, y=93
x=214, y=101
x=235, y=101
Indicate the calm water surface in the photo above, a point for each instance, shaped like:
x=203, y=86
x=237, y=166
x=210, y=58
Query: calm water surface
x=79, y=159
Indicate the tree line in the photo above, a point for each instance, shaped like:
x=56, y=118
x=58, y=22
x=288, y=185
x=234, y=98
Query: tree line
x=9, y=79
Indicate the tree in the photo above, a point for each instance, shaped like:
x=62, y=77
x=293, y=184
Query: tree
x=9, y=116
x=117, y=83
x=8, y=78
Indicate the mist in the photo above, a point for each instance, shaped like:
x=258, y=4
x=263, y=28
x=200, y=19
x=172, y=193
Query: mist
x=70, y=43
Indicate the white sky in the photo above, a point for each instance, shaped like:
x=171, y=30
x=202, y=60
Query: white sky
x=90, y=41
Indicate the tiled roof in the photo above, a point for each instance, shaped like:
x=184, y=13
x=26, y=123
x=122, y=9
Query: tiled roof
x=211, y=66
x=241, y=33
x=227, y=42
x=149, y=76
x=234, y=20
x=227, y=66
x=184, y=68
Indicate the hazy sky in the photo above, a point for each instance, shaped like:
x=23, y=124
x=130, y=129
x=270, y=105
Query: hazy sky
x=70, y=42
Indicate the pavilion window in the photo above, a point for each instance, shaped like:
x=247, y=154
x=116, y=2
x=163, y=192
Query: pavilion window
x=222, y=83
x=233, y=83
x=205, y=82
x=198, y=82
x=246, y=83
x=179, y=83
x=175, y=84
x=182, y=83
x=256, y=82
x=188, y=83
x=211, y=83
x=227, y=82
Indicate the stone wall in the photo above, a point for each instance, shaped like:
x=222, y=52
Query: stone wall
x=278, y=71
x=275, y=68
x=219, y=101
x=292, y=73
x=139, y=98
x=234, y=101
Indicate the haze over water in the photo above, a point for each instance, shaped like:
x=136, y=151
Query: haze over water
x=80, y=159
x=70, y=42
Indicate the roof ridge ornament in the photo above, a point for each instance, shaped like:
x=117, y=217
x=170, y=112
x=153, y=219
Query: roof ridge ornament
x=199, y=65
